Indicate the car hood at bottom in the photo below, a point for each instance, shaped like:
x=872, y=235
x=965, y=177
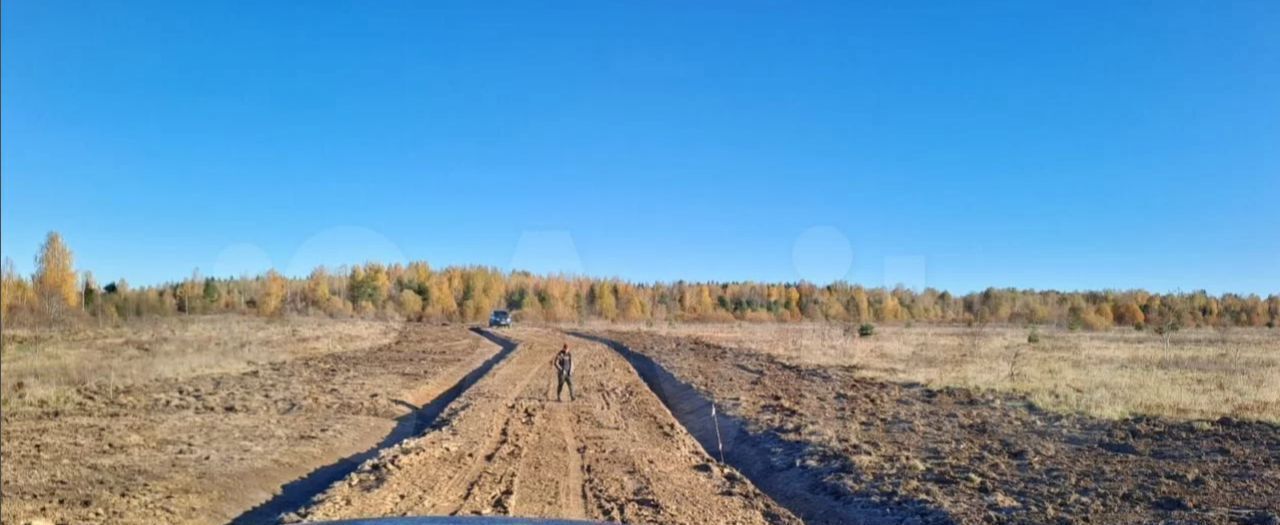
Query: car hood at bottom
x=457, y=520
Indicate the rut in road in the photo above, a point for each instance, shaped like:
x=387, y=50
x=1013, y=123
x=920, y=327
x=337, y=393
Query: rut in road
x=507, y=447
x=299, y=492
x=776, y=465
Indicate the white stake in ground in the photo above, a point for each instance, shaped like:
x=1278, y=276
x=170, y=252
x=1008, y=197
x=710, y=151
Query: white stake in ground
x=716, y=421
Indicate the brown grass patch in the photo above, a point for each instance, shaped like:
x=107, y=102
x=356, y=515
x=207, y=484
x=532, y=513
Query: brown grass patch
x=44, y=366
x=1204, y=374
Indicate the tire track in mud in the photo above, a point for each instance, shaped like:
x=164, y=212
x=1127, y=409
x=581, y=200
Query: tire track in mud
x=498, y=442
x=572, y=488
x=764, y=458
x=553, y=483
x=507, y=447
x=297, y=493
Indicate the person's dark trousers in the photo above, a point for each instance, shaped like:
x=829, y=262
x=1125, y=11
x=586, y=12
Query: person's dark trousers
x=565, y=380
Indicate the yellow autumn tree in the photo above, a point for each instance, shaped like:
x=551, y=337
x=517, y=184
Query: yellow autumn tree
x=482, y=291
x=605, y=300
x=316, y=291
x=1129, y=314
x=55, y=278
x=554, y=303
x=271, y=300
x=379, y=282
x=1104, y=313
x=15, y=291
x=792, y=304
x=887, y=308
x=633, y=307
x=410, y=304
x=440, y=304
x=860, y=306
x=417, y=275
x=832, y=310
x=190, y=292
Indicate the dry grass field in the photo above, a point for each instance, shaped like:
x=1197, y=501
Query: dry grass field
x=43, y=366
x=1203, y=374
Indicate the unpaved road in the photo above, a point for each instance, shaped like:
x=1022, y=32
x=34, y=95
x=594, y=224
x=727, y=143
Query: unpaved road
x=507, y=447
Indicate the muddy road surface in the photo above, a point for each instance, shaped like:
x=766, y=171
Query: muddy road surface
x=506, y=446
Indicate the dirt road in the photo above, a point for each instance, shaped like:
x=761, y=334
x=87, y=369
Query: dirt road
x=507, y=447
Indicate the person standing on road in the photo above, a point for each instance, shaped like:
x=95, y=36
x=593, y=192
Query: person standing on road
x=563, y=364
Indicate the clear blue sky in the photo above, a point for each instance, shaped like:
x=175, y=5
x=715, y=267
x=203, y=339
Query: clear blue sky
x=958, y=145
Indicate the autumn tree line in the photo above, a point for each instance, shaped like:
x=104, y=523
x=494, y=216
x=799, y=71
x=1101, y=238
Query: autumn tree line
x=57, y=292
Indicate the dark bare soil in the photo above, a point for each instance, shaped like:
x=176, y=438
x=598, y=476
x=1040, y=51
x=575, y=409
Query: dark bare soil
x=924, y=455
